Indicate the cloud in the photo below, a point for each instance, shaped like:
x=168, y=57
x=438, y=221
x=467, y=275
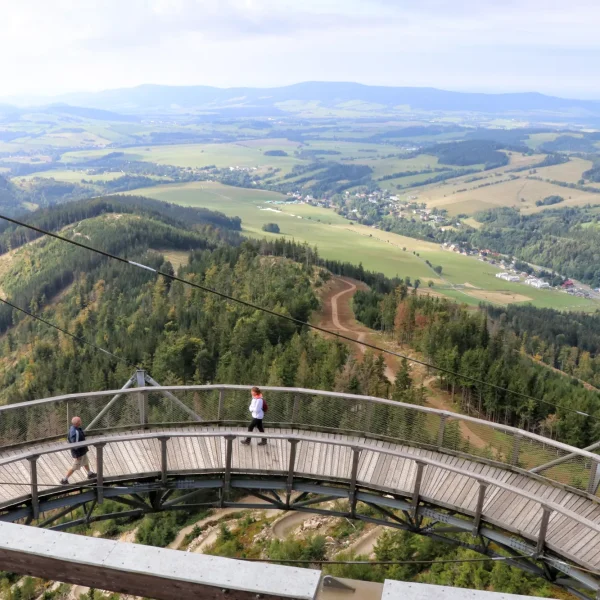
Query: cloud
x=66, y=45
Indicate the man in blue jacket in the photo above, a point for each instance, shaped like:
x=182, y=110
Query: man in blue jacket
x=80, y=457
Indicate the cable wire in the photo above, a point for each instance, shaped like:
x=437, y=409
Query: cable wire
x=292, y=319
x=75, y=337
x=409, y=562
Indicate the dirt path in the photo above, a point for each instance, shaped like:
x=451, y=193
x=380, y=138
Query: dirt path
x=337, y=315
x=365, y=544
x=219, y=513
x=435, y=400
x=284, y=526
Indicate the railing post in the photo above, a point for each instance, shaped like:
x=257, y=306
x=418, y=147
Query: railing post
x=479, y=509
x=441, y=430
x=291, y=469
x=593, y=482
x=100, y=472
x=295, y=408
x=221, y=404
x=417, y=490
x=164, y=465
x=142, y=398
x=543, y=530
x=353, y=477
x=228, y=459
x=514, y=459
x=33, y=478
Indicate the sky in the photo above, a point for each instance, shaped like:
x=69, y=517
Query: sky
x=50, y=47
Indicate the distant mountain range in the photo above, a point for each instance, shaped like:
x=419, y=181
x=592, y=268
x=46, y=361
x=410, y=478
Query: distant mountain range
x=329, y=95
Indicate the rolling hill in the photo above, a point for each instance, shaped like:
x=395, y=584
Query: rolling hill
x=273, y=101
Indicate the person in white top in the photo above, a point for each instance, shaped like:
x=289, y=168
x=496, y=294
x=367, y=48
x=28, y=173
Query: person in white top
x=258, y=414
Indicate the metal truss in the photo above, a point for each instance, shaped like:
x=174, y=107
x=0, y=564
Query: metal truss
x=395, y=511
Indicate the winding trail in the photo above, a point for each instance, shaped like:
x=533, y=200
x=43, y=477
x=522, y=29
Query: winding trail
x=337, y=314
x=365, y=545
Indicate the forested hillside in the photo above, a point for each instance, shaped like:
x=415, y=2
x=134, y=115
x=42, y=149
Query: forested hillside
x=457, y=339
x=178, y=334
x=569, y=342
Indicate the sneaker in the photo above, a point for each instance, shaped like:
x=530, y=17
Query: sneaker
x=262, y=443
x=64, y=481
x=91, y=475
x=245, y=442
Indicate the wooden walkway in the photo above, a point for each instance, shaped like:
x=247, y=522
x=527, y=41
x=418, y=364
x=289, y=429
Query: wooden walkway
x=513, y=501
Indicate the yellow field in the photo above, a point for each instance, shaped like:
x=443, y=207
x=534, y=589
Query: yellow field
x=569, y=172
x=498, y=297
x=521, y=193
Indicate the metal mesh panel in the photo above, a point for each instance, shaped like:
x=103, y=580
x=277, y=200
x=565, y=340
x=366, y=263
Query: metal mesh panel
x=303, y=409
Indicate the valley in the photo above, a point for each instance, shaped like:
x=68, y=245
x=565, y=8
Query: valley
x=465, y=242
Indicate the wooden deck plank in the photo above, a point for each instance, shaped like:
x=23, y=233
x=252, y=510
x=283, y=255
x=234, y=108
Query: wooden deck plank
x=323, y=460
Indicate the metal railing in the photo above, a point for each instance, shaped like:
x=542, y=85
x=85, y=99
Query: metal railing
x=316, y=410
x=35, y=467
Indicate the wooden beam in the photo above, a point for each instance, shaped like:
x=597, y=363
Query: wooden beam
x=147, y=571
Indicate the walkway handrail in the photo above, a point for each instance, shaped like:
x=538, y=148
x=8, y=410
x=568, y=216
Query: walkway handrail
x=336, y=411
x=482, y=479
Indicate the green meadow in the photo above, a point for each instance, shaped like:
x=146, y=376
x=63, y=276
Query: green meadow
x=340, y=239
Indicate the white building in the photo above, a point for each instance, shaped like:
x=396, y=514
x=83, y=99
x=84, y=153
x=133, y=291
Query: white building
x=537, y=283
x=508, y=277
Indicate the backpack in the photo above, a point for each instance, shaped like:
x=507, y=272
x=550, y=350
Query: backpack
x=265, y=406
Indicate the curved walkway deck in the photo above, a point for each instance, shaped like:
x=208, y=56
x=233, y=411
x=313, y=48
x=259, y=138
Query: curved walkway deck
x=542, y=517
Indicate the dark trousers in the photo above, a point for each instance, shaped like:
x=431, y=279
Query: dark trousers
x=256, y=423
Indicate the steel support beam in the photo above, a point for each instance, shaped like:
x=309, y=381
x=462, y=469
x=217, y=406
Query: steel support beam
x=100, y=472
x=110, y=404
x=353, y=478
x=227, y=476
x=541, y=542
x=417, y=490
x=291, y=469
x=164, y=460
x=33, y=479
x=175, y=399
x=479, y=508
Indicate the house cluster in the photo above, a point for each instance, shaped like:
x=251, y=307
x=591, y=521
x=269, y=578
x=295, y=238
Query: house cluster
x=243, y=169
x=286, y=202
x=299, y=198
x=456, y=248
x=427, y=216
x=570, y=287
x=537, y=283
x=514, y=277
x=374, y=197
x=508, y=277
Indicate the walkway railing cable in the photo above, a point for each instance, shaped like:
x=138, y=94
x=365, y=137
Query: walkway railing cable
x=292, y=319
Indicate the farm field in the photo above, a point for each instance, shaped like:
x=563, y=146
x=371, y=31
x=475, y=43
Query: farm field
x=201, y=155
x=569, y=172
x=338, y=239
x=68, y=175
x=535, y=140
x=521, y=193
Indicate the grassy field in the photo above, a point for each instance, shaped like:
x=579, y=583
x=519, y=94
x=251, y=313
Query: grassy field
x=339, y=239
x=72, y=176
x=388, y=166
x=569, y=172
x=201, y=155
x=537, y=139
